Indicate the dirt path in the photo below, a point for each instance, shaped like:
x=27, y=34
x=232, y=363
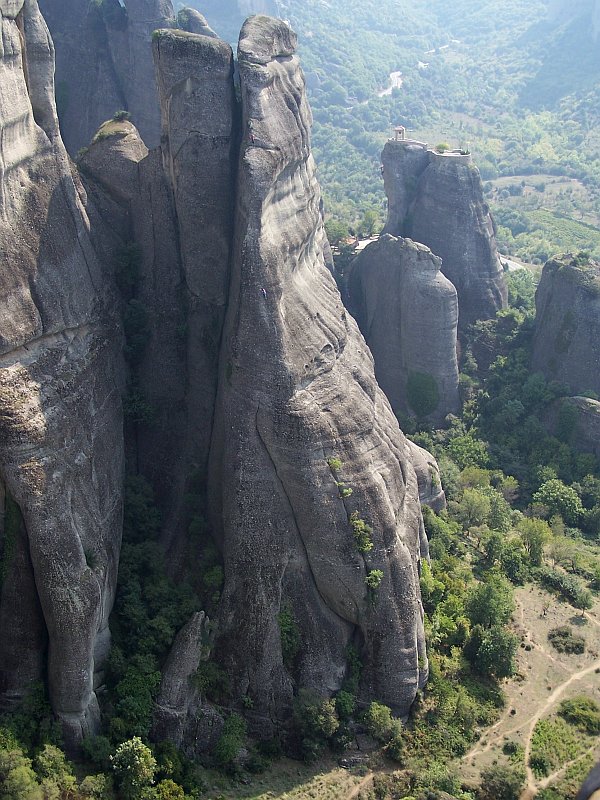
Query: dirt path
x=532, y=787
x=366, y=781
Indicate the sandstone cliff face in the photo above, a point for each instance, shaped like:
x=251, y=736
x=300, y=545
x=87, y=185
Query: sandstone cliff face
x=179, y=204
x=104, y=64
x=408, y=313
x=61, y=448
x=565, y=346
x=437, y=199
x=296, y=389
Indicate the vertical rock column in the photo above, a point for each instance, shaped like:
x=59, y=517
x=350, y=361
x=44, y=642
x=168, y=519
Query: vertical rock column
x=297, y=394
x=195, y=82
x=61, y=448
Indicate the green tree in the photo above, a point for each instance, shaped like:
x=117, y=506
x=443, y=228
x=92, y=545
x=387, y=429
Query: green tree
x=231, y=740
x=535, y=533
x=368, y=224
x=492, y=651
x=336, y=231
x=134, y=767
x=500, y=782
x=474, y=508
x=490, y=602
x=560, y=499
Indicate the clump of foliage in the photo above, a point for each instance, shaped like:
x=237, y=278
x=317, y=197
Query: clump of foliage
x=316, y=721
x=501, y=782
x=290, y=636
x=554, y=743
x=565, y=640
x=231, y=741
x=361, y=532
x=422, y=393
x=582, y=712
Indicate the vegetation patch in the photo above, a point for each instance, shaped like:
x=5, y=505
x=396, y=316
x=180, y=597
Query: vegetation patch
x=565, y=640
x=553, y=744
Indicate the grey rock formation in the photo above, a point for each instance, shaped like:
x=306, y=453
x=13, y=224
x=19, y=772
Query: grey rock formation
x=180, y=715
x=179, y=203
x=437, y=199
x=565, y=346
x=408, y=313
x=297, y=390
x=192, y=21
x=61, y=447
x=429, y=480
x=104, y=64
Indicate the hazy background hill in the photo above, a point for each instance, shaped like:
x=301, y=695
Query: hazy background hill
x=516, y=81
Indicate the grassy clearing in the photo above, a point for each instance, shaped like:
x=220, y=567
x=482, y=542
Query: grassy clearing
x=555, y=743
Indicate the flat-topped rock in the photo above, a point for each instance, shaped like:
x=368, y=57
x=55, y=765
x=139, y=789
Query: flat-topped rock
x=437, y=198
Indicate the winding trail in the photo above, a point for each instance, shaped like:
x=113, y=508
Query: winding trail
x=532, y=787
x=528, y=725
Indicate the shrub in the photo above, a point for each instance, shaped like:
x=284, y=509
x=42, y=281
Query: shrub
x=501, y=782
x=121, y=116
x=362, y=533
x=134, y=767
x=231, y=740
x=373, y=579
x=583, y=712
x=290, y=636
x=380, y=723
x=565, y=640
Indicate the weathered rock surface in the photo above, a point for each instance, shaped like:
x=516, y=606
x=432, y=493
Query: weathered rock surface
x=192, y=21
x=296, y=389
x=180, y=715
x=179, y=203
x=408, y=313
x=565, y=346
x=437, y=199
x=104, y=64
x=429, y=480
x=61, y=447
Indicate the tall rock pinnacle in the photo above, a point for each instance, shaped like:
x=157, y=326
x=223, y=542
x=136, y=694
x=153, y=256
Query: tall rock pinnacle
x=61, y=447
x=437, y=199
x=299, y=416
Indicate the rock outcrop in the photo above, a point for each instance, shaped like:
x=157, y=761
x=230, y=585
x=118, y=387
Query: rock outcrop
x=565, y=346
x=61, y=442
x=104, y=64
x=180, y=715
x=299, y=413
x=408, y=313
x=437, y=199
